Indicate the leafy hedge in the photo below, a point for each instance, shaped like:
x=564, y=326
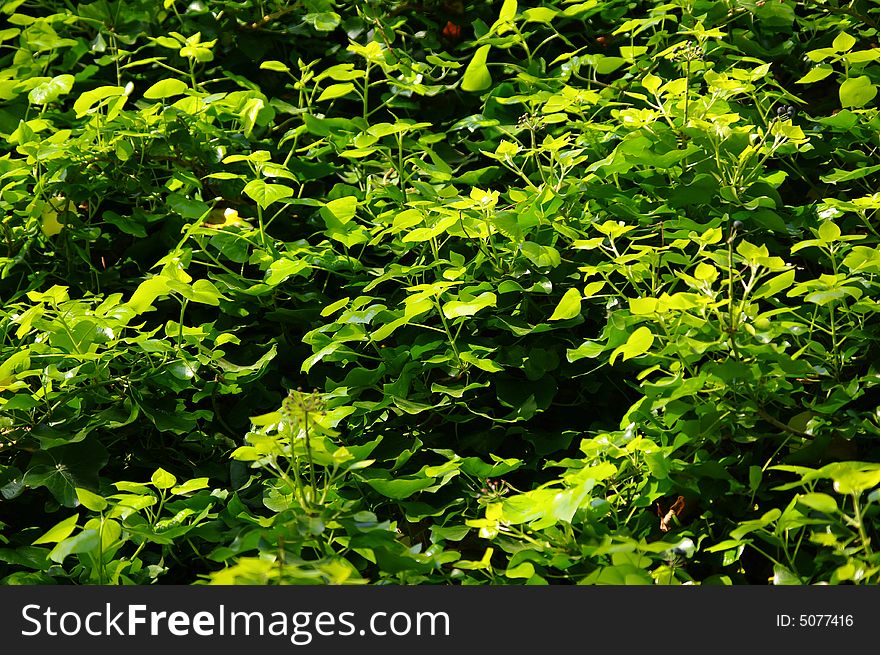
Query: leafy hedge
x=581, y=292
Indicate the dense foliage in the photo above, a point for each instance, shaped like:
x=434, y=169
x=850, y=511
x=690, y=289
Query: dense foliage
x=439, y=292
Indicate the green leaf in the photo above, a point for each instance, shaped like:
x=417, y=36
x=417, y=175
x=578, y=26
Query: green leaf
x=843, y=42
x=863, y=56
x=747, y=527
x=422, y=234
x=246, y=454
x=642, y=306
x=755, y=476
x=334, y=307
x=50, y=91
x=774, y=285
x=816, y=74
x=162, y=479
x=340, y=73
x=630, y=53
x=819, y=502
x=276, y=66
x=336, y=91
x=476, y=75
x=539, y=15
x=839, y=175
x=523, y=570
x=283, y=268
x=385, y=331
x=508, y=11
x=783, y=576
x=264, y=194
x=651, y=82
x=89, y=99
x=342, y=209
x=190, y=485
x=857, y=92
x=829, y=232
x=638, y=343
x=476, y=565
x=147, y=291
x=165, y=89
x=324, y=21
x=132, y=487
x=189, y=208
x=91, y=500
x=458, y=308
x=605, y=65
x=569, y=306
x=821, y=54
x=84, y=542
x=205, y=292
x=481, y=363
x=400, y=488
x=541, y=256
x=59, y=531
x=256, y=113
x=9, y=33
x=63, y=468
x=855, y=481
x=590, y=349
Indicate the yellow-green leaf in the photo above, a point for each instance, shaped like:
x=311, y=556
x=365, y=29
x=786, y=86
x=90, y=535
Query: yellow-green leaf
x=336, y=91
x=476, y=75
x=843, y=42
x=91, y=500
x=59, y=531
x=162, y=479
x=165, y=89
x=638, y=343
x=457, y=308
x=190, y=485
x=857, y=91
x=569, y=306
x=334, y=307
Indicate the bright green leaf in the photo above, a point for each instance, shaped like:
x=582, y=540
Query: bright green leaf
x=264, y=194
x=51, y=90
x=816, y=74
x=59, y=531
x=343, y=209
x=84, y=542
x=819, y=502
x=638, y=343
x=829, y=232
x=857, y=92
x=457, y=308
x=165, y=89
x=843, y=42
x=162, y=479
x=336, y=91
x=276, y=66
x=147, y=291
x=508, y=11
x=190, y=485
x=569, y=306
x=476, y=75
x=89, y=99
x=400, y=488
x=91, y=500
x=332, y=308
x=539, y=15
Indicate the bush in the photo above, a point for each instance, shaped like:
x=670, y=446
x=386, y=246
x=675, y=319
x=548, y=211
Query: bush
x=582, y=292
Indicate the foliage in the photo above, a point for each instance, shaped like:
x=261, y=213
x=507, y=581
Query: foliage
x=585, y=292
